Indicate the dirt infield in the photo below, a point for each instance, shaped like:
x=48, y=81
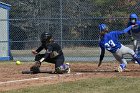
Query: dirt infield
x=12, y=78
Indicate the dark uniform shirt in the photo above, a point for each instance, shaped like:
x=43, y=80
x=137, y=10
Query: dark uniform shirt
x=50, y=48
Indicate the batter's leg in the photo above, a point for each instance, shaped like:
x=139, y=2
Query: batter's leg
x=122, y=61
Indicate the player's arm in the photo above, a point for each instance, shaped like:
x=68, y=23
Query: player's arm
x=49, y=50
x=35, y=68
x=126, y=30
x=101, y=56
x=130, y=31
x=37, y=50
x=46, y=56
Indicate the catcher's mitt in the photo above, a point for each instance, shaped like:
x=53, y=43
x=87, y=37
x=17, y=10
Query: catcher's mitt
x=36, y=67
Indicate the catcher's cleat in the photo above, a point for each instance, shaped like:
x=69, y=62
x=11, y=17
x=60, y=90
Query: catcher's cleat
x=65, y=68
x=68, y=69
x=121, y=68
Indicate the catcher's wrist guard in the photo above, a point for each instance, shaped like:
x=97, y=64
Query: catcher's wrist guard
x=36, y=67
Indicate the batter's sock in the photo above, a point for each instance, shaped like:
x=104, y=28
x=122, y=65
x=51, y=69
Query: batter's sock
x=123, y=66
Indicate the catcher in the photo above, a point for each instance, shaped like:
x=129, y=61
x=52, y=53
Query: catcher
x=110, y=42
x=53, y=55
x=134, y=32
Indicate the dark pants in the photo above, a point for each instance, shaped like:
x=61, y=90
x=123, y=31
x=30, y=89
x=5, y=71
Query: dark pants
x=58, y=61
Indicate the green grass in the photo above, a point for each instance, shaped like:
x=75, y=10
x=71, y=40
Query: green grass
x=94, y=85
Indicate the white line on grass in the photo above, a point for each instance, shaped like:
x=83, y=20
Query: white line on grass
x=49, y=77
x=22, y=80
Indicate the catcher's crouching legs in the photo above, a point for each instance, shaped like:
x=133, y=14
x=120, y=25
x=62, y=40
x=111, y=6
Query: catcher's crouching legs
x=36, y=67
x=65, y=68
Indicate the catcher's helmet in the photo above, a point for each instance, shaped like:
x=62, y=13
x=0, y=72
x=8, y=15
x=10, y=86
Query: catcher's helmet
x=103, y=27
x=133, y=18
x=133, y=15
x=45, y=37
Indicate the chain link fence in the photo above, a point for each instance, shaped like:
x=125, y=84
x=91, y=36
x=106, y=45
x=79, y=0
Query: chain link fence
x=73, y=24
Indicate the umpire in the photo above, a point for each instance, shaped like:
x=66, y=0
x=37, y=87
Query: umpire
x=53, y=54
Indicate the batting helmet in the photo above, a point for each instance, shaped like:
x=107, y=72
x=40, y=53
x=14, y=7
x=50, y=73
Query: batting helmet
x=45, y=37
x=103, y=27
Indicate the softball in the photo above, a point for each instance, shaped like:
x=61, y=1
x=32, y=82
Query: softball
x=18, y=62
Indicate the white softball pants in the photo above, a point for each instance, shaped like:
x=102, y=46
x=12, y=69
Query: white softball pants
x=122, y=51
x=136, y=40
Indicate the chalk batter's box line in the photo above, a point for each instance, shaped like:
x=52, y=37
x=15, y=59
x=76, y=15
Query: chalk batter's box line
x=49, y=77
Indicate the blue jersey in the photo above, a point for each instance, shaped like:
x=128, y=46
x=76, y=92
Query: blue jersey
x=135, y=29
x=110, y=40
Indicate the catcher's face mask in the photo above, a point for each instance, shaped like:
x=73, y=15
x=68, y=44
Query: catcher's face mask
x=133, y=20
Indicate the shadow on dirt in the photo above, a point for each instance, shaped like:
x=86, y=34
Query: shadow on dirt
x=103, y=71
x=42, y=71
